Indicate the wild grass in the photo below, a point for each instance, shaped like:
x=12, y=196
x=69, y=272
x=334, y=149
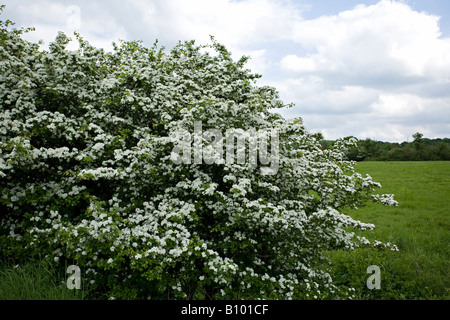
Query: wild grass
x=419, y=226
x=35, y=280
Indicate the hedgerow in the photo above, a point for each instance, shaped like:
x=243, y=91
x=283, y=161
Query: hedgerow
x=88, y=177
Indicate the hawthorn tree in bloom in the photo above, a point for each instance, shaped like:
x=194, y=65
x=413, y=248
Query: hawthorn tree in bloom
x=87, y=175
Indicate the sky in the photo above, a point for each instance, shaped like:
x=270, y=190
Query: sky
x=370, y=69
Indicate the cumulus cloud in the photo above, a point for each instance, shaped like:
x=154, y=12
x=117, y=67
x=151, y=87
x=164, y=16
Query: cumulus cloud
x=385, y=65
x=233, y=22
x=377, y=71
x=244, y=26
x=93, y=20
x=388, y=38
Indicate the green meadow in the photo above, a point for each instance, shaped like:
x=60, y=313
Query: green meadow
x=419, y=226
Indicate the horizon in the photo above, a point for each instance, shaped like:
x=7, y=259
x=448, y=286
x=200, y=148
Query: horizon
x=407, y=141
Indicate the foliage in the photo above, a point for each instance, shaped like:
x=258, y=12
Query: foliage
x=86, y=175
x=420, y=149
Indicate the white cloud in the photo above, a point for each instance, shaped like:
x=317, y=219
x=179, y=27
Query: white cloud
x=244, y=27
x=294, y=63
x=95, y=23
x=388, y=39
x=399, y=105
x=234, y=23
x=374, y=70
x=313, y=94
x=383, y=66
x=391, y=132
x=411, y=108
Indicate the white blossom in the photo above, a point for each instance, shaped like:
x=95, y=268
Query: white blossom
x=86, y=172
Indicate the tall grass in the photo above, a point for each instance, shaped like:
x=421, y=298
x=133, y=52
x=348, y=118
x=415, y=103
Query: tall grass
x=35, y=280
x=419, y=226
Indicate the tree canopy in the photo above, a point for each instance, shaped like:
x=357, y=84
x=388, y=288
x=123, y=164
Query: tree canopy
x=420, y=149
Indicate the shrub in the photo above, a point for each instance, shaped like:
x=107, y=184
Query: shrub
x=87, y=174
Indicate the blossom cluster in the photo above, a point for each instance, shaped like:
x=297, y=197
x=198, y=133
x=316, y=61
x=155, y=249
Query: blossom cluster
x=86, y=175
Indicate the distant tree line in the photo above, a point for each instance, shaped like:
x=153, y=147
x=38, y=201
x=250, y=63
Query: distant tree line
x=420, y=149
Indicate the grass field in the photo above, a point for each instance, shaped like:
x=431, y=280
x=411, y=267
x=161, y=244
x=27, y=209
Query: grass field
x=419, y=226
x=34, y=281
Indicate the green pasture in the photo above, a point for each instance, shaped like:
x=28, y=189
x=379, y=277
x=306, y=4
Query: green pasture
x=419, y=226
